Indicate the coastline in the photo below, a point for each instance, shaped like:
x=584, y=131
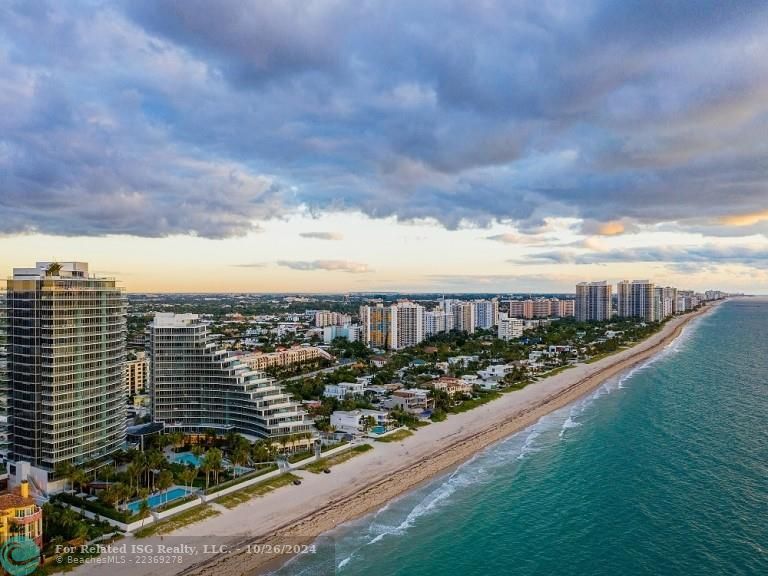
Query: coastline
x=371, y=482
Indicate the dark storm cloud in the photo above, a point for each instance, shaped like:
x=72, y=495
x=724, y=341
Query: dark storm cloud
x=171, y=117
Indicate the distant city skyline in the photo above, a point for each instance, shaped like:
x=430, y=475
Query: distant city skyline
x=379, y=146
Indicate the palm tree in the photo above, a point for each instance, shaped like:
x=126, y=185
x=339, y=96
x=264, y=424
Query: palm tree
x=134, y=471
x=108, y=472
x=139, y=464
x=239, y=457
x=120, y=492
x=77, y=478
x=165, y=481
x=110, y=496
x=187, y=476
x=205, y=467
x=216, y=461
x=64, y=470
x=177, y=438
x=143, y=511
x=155, y=459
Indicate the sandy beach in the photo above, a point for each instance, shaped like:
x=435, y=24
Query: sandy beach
x=300, y=513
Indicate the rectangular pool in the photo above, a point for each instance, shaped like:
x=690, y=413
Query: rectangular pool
x=175, y=493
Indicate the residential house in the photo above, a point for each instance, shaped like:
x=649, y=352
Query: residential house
x=342, y=390
x=356, y=421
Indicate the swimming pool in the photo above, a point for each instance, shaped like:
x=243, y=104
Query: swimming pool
x=187, y=458
x=190, y=459
x=378, y=429
x=175, y=493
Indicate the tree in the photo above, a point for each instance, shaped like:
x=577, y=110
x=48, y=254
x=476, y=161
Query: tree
x=155, y=460
x=64, y=470
x=368, y=423
x=239, y=457
x=77, y=478
x=187, y=476
x=107, y=472
x=205, y=468
x=177, y=439
x=165, y=481
x=216, y=462
x=122, y=492
x=143, y=511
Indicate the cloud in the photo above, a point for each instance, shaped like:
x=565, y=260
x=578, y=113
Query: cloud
x=609, y=228
x=251, y=265
x=328, y=265
x=683, y=256
x=513, y=238
x=160, y=118
x=322, y=235
x=742, y=220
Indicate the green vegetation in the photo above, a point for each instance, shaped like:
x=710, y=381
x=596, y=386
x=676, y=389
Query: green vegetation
x=243, y=478
x=96, y=507
x=479, y=400
x=395, y=436
x=236, y=498
x=318, y=466
x=298, y=456
x=175, y=522
x=326, y=447
x=63, y=524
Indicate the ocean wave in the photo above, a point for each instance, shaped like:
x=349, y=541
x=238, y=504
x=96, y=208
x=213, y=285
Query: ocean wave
x=481, y=468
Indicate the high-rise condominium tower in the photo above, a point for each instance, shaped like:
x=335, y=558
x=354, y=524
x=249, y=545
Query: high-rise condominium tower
x=66, y=348
x=406, y=325
x=636, y=299
x=593, y=301
x=375, y=321
x=3, y=376
x=194, y=386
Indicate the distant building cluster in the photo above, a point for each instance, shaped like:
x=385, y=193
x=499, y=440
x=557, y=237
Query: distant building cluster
x=325, y=318
x=636, y=299
x=407, y=323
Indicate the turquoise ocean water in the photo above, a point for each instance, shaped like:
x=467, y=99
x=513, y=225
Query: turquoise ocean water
x=662, y=471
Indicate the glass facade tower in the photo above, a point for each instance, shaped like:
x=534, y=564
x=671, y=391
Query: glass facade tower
x=66, y=348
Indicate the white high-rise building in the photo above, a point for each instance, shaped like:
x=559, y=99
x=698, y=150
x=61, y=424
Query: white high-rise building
x=670, y=294
x=636, y=299
x=406, y=325
x=485, y=313
x=436, y=322
x=509, y=328
x=194, y=386
x=593, y=301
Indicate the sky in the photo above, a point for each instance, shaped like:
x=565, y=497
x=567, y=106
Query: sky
x=364, y=145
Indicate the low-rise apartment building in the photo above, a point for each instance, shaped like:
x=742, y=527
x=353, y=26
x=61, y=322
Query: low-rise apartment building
x=261, y=361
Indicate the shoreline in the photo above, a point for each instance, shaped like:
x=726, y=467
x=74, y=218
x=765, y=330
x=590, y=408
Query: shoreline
x=447, y=451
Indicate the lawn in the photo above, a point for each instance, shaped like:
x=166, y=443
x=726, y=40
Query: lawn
x=236, y=498
x=395, y=436
x=319, y=465
x=175, y=522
